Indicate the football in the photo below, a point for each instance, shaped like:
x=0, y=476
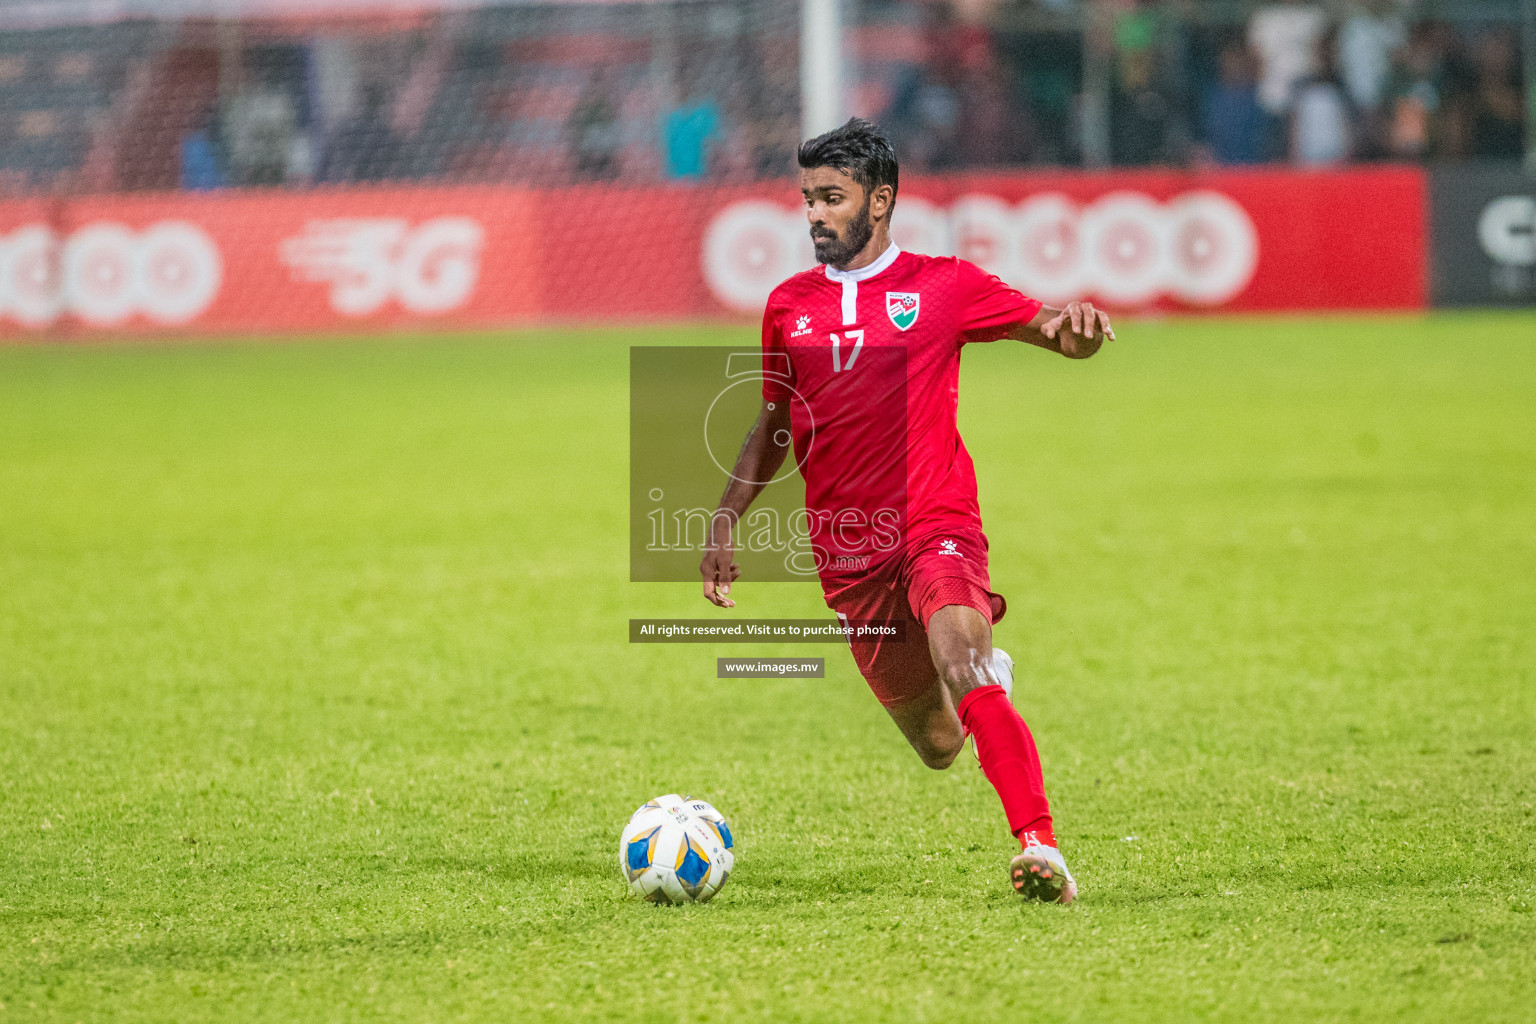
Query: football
x=676, y=849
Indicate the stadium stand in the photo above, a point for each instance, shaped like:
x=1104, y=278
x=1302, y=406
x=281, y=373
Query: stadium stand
x=546, y=94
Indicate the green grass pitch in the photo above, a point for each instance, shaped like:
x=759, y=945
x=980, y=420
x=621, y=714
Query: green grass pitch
x=315, y=701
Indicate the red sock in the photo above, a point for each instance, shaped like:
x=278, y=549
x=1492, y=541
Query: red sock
x=1007, y=754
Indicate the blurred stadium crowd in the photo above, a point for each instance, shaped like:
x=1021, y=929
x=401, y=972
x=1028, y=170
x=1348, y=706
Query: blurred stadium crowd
x=709, y=89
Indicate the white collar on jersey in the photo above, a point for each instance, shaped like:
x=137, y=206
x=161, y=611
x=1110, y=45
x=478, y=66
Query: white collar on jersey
x=865, y=273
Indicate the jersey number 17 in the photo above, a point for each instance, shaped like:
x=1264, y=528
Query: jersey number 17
x=857, y=337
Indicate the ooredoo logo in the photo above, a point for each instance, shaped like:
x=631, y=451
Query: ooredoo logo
x=750, y=247
x=431, y=268
x=105, y=273
x=1125, y=247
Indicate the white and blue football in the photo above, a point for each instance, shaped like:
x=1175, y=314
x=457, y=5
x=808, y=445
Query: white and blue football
x=676, y=849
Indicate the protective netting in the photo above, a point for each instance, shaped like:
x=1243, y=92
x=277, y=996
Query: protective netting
x=535, y=95
x=648, y=92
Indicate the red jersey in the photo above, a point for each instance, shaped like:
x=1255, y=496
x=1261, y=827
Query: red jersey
x=869, y=360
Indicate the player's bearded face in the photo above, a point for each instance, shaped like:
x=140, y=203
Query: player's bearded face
x=835, y=248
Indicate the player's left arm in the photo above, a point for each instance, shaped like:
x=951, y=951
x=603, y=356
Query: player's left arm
x=1077, y=330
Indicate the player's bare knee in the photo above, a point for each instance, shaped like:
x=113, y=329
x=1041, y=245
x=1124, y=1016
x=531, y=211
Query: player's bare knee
x=939, y=760
x=939, y=752
x=962, y=675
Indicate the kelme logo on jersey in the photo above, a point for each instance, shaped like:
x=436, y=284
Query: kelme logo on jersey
x=901, y=307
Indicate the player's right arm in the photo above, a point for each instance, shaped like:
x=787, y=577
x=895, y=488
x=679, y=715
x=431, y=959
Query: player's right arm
x=1076, y=330
x=761, y=456
x=992, y=309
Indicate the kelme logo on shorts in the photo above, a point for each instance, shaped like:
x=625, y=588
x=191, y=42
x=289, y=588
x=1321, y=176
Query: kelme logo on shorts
x=901, y=307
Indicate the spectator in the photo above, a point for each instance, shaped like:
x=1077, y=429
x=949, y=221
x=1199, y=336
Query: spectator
x=594, y=129
x=992, y=130
x=1139, y=109
x=1414, y=94
x=925, y=110
x=1234, y=123
x=1178, y=65
x=1367, y=40
x=262, y=132
x=1285, y=37
x=1457, y=77
x=925, y=120
x=1497, y=122
x=363, y=147
x=768, y=131
x=201, y=162
x=1322, y=120
x=688, y=132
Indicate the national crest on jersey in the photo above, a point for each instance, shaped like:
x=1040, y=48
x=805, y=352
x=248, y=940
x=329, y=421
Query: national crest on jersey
x=902, y=307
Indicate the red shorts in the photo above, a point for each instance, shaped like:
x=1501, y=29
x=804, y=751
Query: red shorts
x=943, y=569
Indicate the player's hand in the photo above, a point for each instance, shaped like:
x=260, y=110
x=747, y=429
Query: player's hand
x=1085, y=329
x=719, y=570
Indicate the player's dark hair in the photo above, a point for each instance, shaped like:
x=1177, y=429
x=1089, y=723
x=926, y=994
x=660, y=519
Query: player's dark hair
x=860, y=149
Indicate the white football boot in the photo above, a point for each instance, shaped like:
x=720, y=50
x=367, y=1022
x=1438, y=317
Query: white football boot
x=1003, y=666
x=1040, y=873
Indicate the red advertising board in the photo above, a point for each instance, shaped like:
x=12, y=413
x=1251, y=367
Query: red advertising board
x=345, y=259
